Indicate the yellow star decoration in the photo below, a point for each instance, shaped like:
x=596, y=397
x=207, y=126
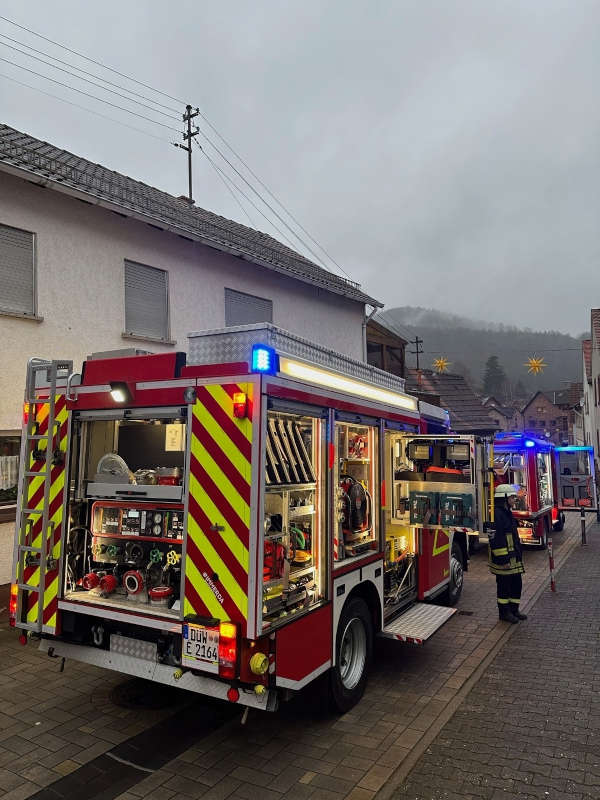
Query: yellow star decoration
x=441, y=364
x=536, y=365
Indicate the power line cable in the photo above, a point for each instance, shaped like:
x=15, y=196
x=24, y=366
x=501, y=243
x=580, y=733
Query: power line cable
x=84, y=108
x=90, y=74
x=224, y=178
x=276, y=199
x=165, y=94
x=87, y=94
x=271, y=209
x=252, y=203
x=91, y=60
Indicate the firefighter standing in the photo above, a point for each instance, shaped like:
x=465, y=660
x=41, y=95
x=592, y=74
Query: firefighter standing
x=505, y=554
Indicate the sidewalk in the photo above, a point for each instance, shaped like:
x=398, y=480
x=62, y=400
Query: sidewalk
x=54, y=724
x=530, y=727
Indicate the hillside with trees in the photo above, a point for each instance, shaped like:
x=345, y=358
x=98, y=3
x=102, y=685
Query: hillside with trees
x=470, y=344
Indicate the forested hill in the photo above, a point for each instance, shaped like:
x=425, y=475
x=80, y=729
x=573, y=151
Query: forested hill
x=469, y=343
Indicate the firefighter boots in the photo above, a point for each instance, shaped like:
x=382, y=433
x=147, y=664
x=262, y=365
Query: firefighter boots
x=507, y=615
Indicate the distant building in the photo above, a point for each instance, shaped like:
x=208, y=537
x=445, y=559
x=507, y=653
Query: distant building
x=506, y=417
x=467, y=415
x=588, y=393
x=591, y=384
x=555, y=415
x=386, y=348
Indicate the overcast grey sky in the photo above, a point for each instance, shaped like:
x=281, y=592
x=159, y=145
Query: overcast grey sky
x=445, y=153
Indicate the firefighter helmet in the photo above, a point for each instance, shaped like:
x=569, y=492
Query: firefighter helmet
x=507, y=490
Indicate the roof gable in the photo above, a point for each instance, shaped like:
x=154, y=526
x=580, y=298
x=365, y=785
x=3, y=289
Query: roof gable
x=61, y=170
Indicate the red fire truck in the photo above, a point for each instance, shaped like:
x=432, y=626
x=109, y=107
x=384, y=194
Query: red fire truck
x=530, y=463
x=227, y=522
x=576, y=478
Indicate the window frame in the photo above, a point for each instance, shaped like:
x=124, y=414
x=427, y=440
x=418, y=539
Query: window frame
x=127, y=334
x=8, y=508
x=33, y=314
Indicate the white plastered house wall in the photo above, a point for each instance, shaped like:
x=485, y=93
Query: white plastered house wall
x=80, y=250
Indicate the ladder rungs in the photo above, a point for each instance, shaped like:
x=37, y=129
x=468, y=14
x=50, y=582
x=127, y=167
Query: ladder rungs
x=26, y=587
x=35, y=474
x=28, y=548
x=33, y=510
x=37, y=437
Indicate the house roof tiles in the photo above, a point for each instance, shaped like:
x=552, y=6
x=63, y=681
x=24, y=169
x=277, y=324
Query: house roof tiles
x=467, y=415
x=58, y=168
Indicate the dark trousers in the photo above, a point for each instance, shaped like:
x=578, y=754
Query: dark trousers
x=508, y=592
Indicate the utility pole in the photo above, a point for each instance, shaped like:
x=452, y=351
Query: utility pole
x=418, y=350
x=187, y=137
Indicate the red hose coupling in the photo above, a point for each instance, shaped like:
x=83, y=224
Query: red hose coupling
x=90, y=581
x=133, y=581
x=108, y=584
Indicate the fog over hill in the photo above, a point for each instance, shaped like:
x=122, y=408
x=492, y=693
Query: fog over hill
x=468, y=343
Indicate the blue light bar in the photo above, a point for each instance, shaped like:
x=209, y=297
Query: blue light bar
x=264, y=359
x=529, y=443
x=574, y=447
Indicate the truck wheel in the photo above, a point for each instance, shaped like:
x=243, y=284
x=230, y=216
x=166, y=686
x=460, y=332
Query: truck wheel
x=353, y=648
x=560, y=522
x=544, y=543
x=453, y=592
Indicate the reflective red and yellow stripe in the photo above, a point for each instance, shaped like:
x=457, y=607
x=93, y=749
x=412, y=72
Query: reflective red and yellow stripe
x=33, y=498
x=216, y=569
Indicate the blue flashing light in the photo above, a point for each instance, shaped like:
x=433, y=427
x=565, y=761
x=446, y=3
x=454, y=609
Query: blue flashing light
x=529, y=443
x=572, y=448
x=264, y=359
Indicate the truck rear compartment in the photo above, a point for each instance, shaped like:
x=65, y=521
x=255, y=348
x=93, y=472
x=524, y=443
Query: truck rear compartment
x=125, y=539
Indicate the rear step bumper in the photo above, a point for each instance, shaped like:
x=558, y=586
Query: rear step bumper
x=418, y=624
x=161, y=673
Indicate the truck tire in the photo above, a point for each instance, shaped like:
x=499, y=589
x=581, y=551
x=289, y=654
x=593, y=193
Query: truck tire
x=560, y=522
x=353, y=650
x=544, y=543
x=454, y=590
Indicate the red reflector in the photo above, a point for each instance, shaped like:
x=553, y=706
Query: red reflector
x=12, y=604
x=240, y=402
x=228, y=650
x=233, y=695
x=27, y=409
x=23, y=639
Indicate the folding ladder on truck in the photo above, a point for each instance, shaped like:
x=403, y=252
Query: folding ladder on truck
x=41, y=494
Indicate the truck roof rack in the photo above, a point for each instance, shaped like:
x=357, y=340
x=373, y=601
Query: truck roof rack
x=223, y=345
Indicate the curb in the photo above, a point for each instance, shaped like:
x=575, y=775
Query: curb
x=501, y=633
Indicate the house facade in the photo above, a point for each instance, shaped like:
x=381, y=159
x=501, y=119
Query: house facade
x=591, y=384
x=555, y=416
x=386, y=348
x=91, y=260
x=505, y=417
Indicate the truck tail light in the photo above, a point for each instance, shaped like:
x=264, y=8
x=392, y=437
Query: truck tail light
x=240, y=405
x=12, y=605
x=228, y=650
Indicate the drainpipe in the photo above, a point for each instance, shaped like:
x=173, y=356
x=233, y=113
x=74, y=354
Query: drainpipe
x=364, y=330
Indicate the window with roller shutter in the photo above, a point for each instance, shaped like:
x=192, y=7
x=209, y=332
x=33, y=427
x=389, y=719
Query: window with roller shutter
x=146, y=301
x=17, y=295
x=245, y=309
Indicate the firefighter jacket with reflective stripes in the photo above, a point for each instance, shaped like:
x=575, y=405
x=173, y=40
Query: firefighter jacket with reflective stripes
x=504, y=548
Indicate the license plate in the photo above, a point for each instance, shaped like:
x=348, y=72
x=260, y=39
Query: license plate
x=200, y=647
